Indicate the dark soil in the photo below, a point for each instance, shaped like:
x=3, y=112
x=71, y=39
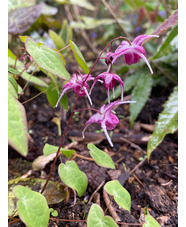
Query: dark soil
x=153, y=185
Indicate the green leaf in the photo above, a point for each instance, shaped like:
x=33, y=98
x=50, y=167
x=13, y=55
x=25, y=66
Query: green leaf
x=33, y=79
x=14, y=4
x=150, y=222
x=121, y=195
x=12, y=90
x=128, y=84
x=32, y=207
x=52, y=196
x=59, y=43
x=10, y=54
x=21, y=19
x=166, y=43
x=79, y=57
x=101, y=158
x=96, y=218
x=53, y=212
x=13, y=71
x=49, y=10
x=49, y=149
x=17, y=126
x=140, y=94
x=73, y=177
x=13, y=82
x=47, y=58
x=53, y=96
x=23, y=38
x=82, y=3
x=64, y=31
x=68, y=153
x=167, y=122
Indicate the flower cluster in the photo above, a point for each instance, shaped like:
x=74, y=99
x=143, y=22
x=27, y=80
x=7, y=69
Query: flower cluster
x=105, y=116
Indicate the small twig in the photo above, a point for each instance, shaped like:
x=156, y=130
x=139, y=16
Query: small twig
x=115, y=18
x=33, y=97
x=27, y=81
x=97, y=189
x=108, y=203
x=82, y=157
x=24, y=69
x=138, y=165
x=133, y=144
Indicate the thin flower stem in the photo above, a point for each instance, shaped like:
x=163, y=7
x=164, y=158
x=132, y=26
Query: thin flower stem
x=63, y=48
x=33, y=97
x=73, y=110
x=25, y=69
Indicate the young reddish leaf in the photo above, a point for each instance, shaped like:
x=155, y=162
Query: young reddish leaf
x=169, y=23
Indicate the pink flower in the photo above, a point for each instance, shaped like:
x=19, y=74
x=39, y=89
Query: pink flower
x=132, y=53
x=106, y=118
x=75, y=83
x=109, y=80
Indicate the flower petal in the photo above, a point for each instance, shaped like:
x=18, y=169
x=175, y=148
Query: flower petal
x=141, y=38
x=144, y=58
x=106, y=134
x=63, y=92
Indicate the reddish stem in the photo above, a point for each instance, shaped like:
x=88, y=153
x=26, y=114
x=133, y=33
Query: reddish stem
x=73, y=110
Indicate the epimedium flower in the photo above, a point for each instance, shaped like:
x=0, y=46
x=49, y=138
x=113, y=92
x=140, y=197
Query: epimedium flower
x=106, y=118
x=132, y=52
x=75, y=83
x=109, y=80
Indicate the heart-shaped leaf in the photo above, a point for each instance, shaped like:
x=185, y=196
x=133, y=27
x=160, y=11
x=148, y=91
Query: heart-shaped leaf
x=17, y=126
x=120, y=194
x=150, y=222
x=140, y=94
x=73, y=177
x=52, y=196
x=47, y=58
x=96, y=218
x=100, y=157
x=50, y=149
x=167, y=122
x=32, y=207
x=79, y=57
x=21, y=19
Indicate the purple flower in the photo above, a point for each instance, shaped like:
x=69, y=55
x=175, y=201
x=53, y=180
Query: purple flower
x=132, y=53
x=106, y=118
x=75, y=83
x=109, y=80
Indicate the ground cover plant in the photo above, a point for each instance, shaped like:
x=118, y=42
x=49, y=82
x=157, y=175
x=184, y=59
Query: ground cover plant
x=93, y=114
